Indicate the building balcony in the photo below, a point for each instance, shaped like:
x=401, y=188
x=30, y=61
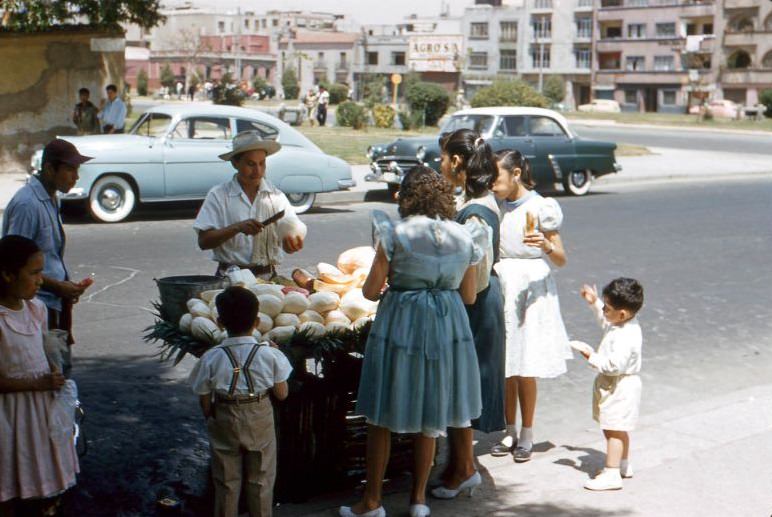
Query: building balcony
x=741, y=4
x=584, y=6
x=744, y=39
x=320, y=66
x=585, y=37
x=508, y=40
x=746, y=76
x=640, y=77
x=342, y=66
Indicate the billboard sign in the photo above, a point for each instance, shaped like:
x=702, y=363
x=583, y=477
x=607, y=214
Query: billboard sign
x=435, y=53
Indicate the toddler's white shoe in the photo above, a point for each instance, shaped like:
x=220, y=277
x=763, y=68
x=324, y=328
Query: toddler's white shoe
x=419, y=510
x=608, y=479
x=345, y=511
x=626, y=471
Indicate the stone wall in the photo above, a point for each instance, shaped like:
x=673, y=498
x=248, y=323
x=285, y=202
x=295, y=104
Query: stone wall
x=39, y=85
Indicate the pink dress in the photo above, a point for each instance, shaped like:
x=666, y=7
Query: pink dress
x=32, y=464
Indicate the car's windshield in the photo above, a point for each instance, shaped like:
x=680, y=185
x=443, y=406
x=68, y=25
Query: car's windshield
x=151, y=124
x=480, y=123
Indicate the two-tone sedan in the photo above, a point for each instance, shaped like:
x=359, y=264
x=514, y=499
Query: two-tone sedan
x=171, y=154
x=556, y=153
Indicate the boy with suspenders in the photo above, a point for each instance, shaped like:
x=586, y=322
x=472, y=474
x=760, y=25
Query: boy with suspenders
x=233, y=381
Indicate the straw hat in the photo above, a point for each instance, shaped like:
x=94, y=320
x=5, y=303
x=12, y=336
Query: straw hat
x=251, y=141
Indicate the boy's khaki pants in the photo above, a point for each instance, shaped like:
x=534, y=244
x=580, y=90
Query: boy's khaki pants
x=242, y=438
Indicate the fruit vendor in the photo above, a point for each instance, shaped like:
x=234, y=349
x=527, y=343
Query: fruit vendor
x=247, y=221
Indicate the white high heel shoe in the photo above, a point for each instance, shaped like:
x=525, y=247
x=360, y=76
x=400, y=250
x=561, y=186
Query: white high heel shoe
x=345, y=511
x=469, y=485
x=419, y=510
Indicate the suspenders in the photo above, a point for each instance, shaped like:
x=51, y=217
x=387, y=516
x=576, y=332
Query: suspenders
x=237, y=370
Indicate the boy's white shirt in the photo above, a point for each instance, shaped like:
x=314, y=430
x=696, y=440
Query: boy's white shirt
x=619, y=352
x=214, y=371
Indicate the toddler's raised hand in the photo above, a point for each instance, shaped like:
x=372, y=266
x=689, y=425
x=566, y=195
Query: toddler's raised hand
x=589, y=293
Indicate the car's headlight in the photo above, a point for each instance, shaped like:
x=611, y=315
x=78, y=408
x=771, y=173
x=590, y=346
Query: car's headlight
x=370, y=152
x=420, y=153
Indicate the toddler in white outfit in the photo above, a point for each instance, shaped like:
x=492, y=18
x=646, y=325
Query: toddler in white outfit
x=616, y=395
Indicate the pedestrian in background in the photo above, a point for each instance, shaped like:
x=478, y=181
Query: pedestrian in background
x=86, y=115
x=616, y=394
x=310, y=103
x=37, y=462
x=537, y=343
x=34, y=213
x=321, y=107
x=192, y=92
x=233, y=381
x=113, y=113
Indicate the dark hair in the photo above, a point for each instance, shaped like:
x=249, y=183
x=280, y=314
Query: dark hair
x=111, y=87
x=624, y=293
x=237, y=308
x=84, y=90
x=15, y=252
x=424, y=192
x=510, y=160
x=477, y=155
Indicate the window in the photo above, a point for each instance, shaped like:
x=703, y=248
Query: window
x=584, y=27
x=263, y=23
x=636, y=30
x=266, y=131
x=275, y=22
x=478, y=60
x=666, y=30
x=707, y=28
x=542, y=4
x=221, y=27
x=508, y=31
x=514, y=126
x=543, y=60
x=372, y=58
x=398, y=58
x=480, y=123
x=635, y=63
x=544, y=126
x=203, y=128
x=668, y=97
x=478, y=30
x=609, y=60
x=246, y=24
x=637, y=3
x=320, y=56
x=691, y=29
x=612, y=32
x=152, y=124
x=583, y=57
x=343, y=58
x=611, y=3
x=508, y=59
x=664, y=63
x=541, y=26
x=585, y=3
x=631, y=96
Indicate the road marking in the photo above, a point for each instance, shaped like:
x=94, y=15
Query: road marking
x=134, y=272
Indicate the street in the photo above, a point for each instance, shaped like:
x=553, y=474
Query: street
x=700, y=250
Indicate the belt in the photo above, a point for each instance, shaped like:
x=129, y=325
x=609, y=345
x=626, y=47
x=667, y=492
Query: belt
x=240, y=399
x=254, y=268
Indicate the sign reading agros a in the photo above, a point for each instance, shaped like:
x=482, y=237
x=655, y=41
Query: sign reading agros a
x=435, y=53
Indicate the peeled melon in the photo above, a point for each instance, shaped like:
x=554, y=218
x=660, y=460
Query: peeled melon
x=323, y=302
x=200, y=309
x=337, y=316
x=190, y=303
x=286, y=320
x=295, y=303
x=280, y=334
x=272, y=289
x=242, y=277
x=355, y=305
x=204, y=329
x=270, y=305
x=313, y=328
x=360, y=322
x=310, y=315
x=209, y=296
x=291, y=227
x=356, y=258
x=219, y=336
x=185, y=321
x=332, y=275
x=266, y=323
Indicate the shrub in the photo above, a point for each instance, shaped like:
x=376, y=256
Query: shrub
x=509, y=93
x=289, y=83
x=373, y=90
x=167, y=76
x=766, y=99
x=142, y=82
x=428, y=98
x=338, y=93
x=554, y=89
x=411, y=120
x=383, y=116
x=227, y=92
x=351, y=114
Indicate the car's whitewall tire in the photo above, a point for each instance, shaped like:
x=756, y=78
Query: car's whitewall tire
x=578, y=183
x=302, y=202
x=112, y=199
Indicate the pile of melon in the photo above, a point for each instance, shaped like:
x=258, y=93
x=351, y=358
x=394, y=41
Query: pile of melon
x=336, y=304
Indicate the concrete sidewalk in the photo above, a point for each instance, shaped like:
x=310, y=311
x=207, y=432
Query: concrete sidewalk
x=709, y=458
x=577, y=121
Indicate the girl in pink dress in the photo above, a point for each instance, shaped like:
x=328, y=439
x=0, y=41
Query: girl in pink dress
x=36, y=465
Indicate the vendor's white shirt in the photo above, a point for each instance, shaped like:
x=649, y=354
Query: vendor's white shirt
x=214, y=371
x=227, y=204
x=619, y=352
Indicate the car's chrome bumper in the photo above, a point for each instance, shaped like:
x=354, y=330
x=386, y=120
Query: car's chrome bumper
x=346, y=184
x=390, y=173
x=617, y=167
x=74, y=194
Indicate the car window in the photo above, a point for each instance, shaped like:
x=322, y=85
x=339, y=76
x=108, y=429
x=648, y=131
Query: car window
x=266, y=131
x=152, y=124
x=545, y=126
x=203, y=128
x=514, y=126
x=480, y=123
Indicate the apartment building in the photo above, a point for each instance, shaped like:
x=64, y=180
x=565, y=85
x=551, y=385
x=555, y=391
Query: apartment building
x=531, y=39
x=319, y=56
x=745, y=53
x=655, y=55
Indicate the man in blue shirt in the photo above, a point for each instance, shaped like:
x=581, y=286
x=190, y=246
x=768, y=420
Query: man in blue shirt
x=113, y=114
x=34, y=213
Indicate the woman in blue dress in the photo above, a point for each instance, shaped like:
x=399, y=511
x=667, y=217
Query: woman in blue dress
x=419, y=373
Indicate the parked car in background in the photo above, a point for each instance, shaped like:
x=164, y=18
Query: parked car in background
x=171, y=154
x=719, y=108
x=600, y=106
x=556, y=153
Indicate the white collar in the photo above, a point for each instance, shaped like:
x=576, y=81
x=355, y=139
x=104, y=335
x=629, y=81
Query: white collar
x=235, y=190
x=240, y=340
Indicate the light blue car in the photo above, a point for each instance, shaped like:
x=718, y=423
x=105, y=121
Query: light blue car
x=170, y=154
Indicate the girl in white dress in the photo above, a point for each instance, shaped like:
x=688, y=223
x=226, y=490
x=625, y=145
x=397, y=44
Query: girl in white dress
x=536, y=340
x=616, y=396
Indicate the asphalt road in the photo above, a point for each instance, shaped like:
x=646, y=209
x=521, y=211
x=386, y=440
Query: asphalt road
x=679, y=139
x=700, y=250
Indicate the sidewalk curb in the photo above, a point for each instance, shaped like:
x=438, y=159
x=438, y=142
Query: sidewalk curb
x=614, y=123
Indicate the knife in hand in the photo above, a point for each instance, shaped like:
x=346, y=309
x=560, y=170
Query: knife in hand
x=275, y=217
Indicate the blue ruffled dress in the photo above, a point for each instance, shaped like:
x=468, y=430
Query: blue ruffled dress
x=420, y=372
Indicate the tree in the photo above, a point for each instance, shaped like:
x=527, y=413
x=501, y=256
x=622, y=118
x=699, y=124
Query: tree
x=509, y=93
x=432, y=100
x=766, y=99
x=289, y=82
x=189, y=45
x=142, y=82
x=167, y=76
x=41, y=15
x=554, y=89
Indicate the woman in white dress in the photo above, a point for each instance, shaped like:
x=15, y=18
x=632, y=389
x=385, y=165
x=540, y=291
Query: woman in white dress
x=536, y=340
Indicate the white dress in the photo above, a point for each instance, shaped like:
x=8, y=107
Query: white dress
x=537, y=343
x=616, y=396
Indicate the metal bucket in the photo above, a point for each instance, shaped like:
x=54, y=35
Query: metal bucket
x=177, y=290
